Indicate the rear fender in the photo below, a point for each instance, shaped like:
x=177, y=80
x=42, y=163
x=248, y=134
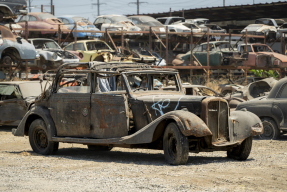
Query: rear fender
x=35, y=113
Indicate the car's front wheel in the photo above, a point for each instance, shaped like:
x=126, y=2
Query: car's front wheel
x=270, y=129
x=242, y=151
x=175, y=145
x=39, y=140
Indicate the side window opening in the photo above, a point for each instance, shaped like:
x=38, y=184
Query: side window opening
x=74, y=83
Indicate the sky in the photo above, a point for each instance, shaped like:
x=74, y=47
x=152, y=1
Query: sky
x=85, y=8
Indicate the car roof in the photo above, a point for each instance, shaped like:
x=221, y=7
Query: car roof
x=70, y=16
x=215, y=42
x=17, y=82
x=109, y=15
x=83, y=41
x=40, y=39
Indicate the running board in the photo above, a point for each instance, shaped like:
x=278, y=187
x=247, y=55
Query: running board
x=224, y=143
x=87, y=140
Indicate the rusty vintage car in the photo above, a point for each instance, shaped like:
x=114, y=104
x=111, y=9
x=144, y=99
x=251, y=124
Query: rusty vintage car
x=220, y=53
x=12, y=8
x=124, y=105
x=253, y=90
x=15, y=98
x=261, y=55
x=41, y=20
x=271, y=109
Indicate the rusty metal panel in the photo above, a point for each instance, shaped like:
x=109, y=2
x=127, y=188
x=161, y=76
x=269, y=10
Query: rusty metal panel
x=12, y=111
x=71, y=113
x=109, y=117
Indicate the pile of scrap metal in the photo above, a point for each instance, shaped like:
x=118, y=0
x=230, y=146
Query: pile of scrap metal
x=253, y=90
x=261, y=55
x=220, y=53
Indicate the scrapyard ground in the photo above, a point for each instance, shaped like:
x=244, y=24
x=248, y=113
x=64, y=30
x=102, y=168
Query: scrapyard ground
x=75, y=168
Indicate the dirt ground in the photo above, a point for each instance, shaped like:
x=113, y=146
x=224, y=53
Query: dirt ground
x=75, y=168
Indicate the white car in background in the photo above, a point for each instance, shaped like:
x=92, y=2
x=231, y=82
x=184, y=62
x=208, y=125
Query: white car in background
x=51, y=55
x=173, y=24
x=116, y=23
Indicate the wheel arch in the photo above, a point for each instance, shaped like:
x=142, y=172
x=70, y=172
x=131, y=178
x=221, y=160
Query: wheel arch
x=6, y=10
x=33, y=114
x=188, y=123
x=11, y=51
x=272, y=118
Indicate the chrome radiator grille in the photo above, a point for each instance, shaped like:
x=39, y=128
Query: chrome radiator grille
x=217, y=120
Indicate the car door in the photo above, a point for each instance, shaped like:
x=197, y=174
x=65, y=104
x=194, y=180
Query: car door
x=109, y=111
x=12, y=105
x=70, y=106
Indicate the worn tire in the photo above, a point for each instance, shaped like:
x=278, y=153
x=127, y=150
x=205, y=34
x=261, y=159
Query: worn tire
x=270, y=129
x=242, y=151
x=175, y=145
x=39, y=140
x=99, y=148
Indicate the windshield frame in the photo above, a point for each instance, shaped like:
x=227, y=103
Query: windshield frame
x=131, y=92
x=46, y=40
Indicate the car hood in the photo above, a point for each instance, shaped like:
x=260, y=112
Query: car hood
x=283, y=58
x=161, y=104
x=258, y=28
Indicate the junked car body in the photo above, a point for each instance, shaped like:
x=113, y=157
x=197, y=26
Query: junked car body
x=82, y=24
x=262, y=55
x=220, y=53
x=92, y=50
x=256, y=89
x=51, y=54
x=15, y=98
x=40, y=20
x=116, y=23
x=137, y=54
x=13, y=49
x=261, y=29
x=172, y=24
x=12, y=8
x=272, y=110
x=124, y=105
x=269, y=21
x=145, y=22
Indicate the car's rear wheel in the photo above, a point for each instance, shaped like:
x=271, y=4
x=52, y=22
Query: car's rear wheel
x=242, y=151
x=175, y=145
x=270, y=129
x=99, y=148
x=39, y=140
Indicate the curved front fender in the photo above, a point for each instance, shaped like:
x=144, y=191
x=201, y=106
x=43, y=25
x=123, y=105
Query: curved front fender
x=244, y=124
x=31, y=115
x=188, y=123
